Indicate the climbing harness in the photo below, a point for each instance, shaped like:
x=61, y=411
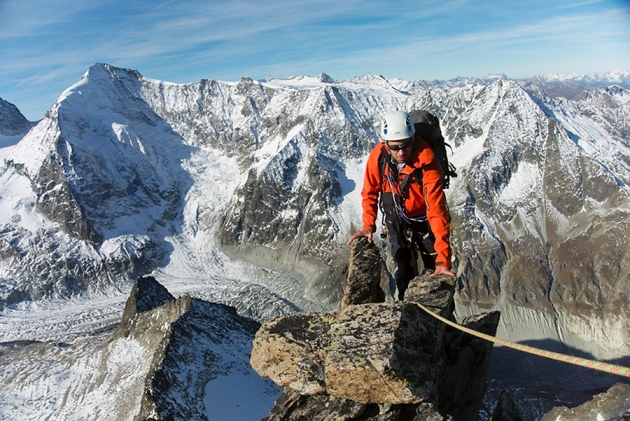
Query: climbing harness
x=397, y=189
x=398, y=199
x=596, y=365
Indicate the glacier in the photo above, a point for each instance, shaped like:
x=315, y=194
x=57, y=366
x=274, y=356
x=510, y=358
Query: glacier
x=244, y=193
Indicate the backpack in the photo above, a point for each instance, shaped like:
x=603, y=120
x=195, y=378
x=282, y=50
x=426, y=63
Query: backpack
x=428, y=127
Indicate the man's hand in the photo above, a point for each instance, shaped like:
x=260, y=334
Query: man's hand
x=441, y=270
x=363, y=233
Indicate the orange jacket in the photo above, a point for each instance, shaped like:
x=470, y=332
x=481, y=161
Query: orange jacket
x=420, y=199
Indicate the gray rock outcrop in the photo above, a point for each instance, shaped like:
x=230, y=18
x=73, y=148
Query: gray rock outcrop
x=614, y=404
x=369, y=353
x=374, y=358
x=291, y=405
x=365, y=275
x=506, y=409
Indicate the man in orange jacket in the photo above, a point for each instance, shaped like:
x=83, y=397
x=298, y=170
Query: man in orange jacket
x=405, y=175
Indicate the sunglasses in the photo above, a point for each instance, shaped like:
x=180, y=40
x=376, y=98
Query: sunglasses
x=396, y=148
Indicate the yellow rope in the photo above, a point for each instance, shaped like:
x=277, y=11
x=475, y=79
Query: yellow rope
x=609, y=368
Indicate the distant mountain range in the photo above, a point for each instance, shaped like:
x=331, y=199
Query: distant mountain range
x=611, y=77
x=247, y=192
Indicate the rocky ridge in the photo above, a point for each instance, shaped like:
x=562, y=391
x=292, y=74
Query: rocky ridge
x=167, y=359
x=372, y=360
x=392, y=361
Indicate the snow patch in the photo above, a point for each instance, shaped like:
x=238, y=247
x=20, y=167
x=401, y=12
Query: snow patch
x=524, y=183
x=269, y=150
x=17, y=202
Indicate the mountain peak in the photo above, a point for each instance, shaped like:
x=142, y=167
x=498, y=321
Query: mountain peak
x=108, y=69
x=12, y=121
x=324, y=78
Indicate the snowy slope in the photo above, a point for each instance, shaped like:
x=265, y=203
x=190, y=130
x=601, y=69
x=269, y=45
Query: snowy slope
x=247, y=192
x=185, y=358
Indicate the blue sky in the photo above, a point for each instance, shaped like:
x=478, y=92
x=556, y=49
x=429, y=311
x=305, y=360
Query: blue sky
x=46, y=45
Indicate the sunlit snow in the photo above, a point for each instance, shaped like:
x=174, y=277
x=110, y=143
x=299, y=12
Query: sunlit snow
x=176, y=154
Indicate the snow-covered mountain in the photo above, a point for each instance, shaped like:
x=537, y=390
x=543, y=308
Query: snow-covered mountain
x=245, y=193
x=13, y=125
x=616, y=76
x=169, y=358
x=569, y=86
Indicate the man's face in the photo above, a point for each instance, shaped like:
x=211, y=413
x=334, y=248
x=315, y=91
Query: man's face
x=400, y=149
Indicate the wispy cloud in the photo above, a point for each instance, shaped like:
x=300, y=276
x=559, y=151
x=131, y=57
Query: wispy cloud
x=52, y=42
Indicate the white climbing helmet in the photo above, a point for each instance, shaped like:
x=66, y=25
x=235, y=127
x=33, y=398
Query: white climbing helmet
x=397, y=125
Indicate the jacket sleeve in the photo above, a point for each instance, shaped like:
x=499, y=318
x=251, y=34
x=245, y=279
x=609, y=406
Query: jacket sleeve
x=371, y=189
x=437, y=210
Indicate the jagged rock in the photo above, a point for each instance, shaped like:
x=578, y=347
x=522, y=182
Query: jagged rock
x=189, y=356
x=364, y=275
x=56, y=199
x=377, y=361
x=147, y=294
x=292, y=406
x=609, y=406
x=384, y=353
x=185, y=336
x=434, y=292
x=462, y=383
x=369, y=353
x=506, y=409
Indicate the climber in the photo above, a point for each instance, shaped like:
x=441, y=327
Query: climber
x=403, y=176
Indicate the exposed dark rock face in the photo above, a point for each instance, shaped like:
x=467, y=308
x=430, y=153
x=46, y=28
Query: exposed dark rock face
x=614, y=405
x=292, y=406
x=506, y=409
x=56, y=200
x=462, y=383
x=147, y=294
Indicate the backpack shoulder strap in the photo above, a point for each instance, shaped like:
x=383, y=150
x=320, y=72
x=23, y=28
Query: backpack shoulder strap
x=416, y=176
x=384, y=161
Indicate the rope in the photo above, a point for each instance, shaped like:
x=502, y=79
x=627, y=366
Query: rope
x=596, y=365
x=397, y=195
